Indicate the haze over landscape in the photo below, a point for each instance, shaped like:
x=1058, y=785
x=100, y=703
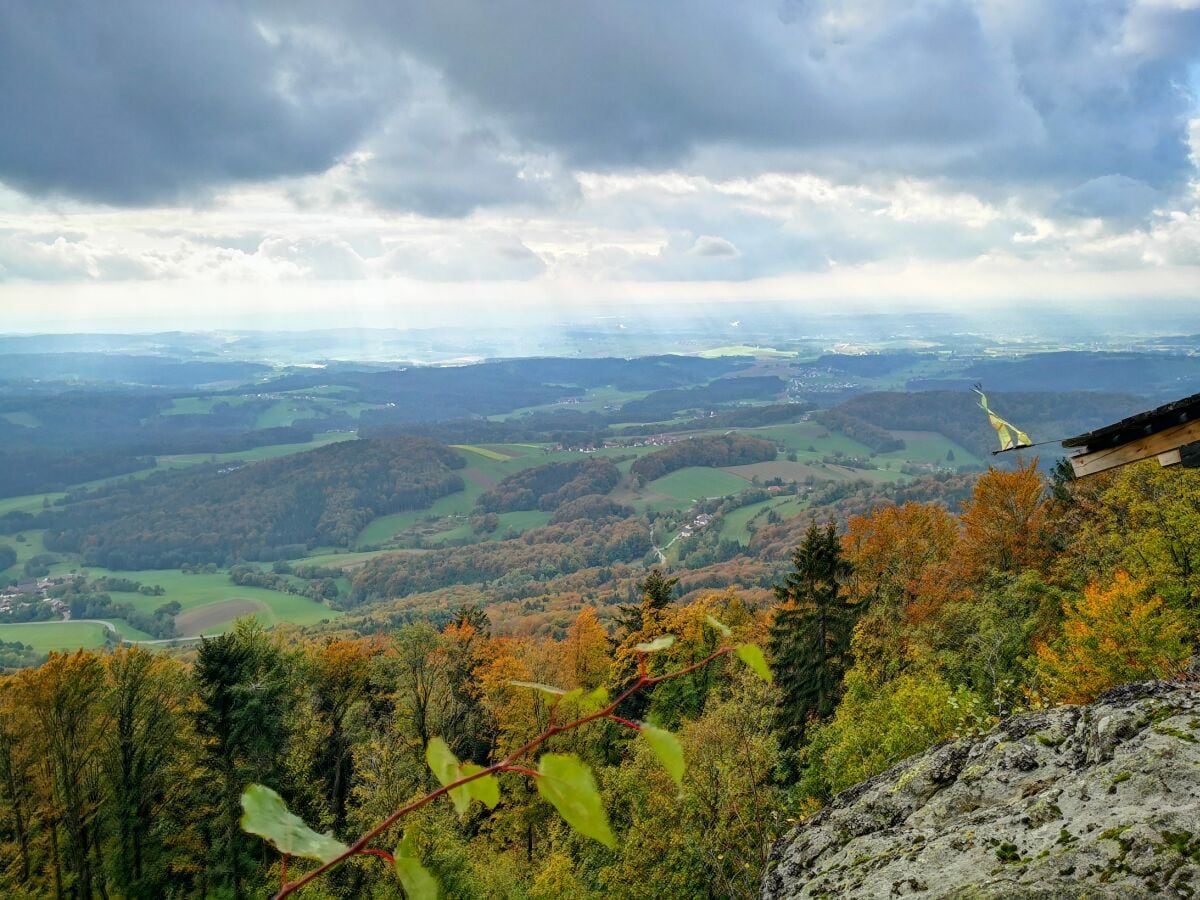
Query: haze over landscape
x=523, y=450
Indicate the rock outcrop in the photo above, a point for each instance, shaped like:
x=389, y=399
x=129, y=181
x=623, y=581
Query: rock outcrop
x=1078, y=801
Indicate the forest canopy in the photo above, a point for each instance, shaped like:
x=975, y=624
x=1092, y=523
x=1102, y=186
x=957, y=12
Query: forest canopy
x=265, y=510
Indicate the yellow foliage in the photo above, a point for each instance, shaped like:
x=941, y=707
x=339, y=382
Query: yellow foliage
x=1112, y=636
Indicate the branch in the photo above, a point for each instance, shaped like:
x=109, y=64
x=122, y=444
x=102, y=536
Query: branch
x=506, y=764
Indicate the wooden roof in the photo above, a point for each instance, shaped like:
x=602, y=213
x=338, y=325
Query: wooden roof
x=1141, y=425
x=1163, y=432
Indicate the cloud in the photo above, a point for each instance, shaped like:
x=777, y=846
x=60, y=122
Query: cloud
x=711, y=246
x=135, y=101
x=469, y=257
x=1115, y=197
x=467, y=104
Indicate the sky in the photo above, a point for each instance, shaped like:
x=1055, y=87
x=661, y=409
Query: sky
x=385, y=162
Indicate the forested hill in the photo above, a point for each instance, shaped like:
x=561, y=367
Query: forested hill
x=1046, y=416
x=265, y=510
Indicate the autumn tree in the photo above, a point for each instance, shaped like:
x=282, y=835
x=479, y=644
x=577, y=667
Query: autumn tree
x=586, y=650
x=1143, y=519
x=142, y=745
x=899, y=559
x=65, y=712
x=810, y=635
x=337, y=672
x=1112, y=635
x=1007, y=523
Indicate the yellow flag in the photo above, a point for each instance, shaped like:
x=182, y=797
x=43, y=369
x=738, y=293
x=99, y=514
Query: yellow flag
x=1004, y=430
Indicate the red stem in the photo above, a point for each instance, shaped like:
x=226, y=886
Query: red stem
x=360, y=845
x=382, y=854
x=521, y=770
x=620, y=721
x=283, y=872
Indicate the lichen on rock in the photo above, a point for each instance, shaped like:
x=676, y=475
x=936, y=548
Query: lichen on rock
x=1077, y=801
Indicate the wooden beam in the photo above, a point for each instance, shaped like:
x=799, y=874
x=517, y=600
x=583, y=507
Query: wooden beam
x=1162, y=442
x=1170, y=458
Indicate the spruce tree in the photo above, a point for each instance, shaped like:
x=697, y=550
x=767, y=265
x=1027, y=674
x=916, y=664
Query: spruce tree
x=657, y=594
x=810, y=636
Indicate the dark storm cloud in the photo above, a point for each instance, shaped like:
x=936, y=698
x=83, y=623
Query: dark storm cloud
x=130, y=102
x=461, y=104
x=1066, y=91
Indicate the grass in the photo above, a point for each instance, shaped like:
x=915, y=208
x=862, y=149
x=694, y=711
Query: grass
x=802, y=435
x=747, y=350
x=735, y=525
x=46, y=636
x=696, y=482
x=195, y=591
x=482, y=451
x=930, y=447
x=270, y=451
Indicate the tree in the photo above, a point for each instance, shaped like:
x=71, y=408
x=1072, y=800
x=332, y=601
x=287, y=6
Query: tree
x=896, y=555
x=1007, y=523
x=1112, y=636
x=810, y=636
x=657, y=591
x=586, y=650
x=875, y=728
x=64, y=703
x=241, y=684
x=145, y=702
x=639, y=624
x=338, y=673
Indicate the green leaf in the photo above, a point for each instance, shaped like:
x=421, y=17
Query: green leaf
x=264, y=813
x=447, y=769
x=753, y=657
x=538, y=686
x=442, y=761
x=720, y=626
x=570, y=786
x=593, y=700
x=668, y=750
x=659, y=643
x=418, y=883
x=486, y=789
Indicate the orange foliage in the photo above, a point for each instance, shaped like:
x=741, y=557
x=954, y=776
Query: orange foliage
x=1110, y=637
x=1006, y=523
x=586, y=650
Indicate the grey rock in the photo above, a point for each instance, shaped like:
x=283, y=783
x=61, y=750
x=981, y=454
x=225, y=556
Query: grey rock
x=1074, y=802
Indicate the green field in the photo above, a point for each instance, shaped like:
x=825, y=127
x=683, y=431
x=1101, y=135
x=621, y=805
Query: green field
x=211, y=601
x=803, y=435
x=747, y=350
x=695, y=483
x=930, y=448
x=482, y=451
x=46, y=636
x=270, y=451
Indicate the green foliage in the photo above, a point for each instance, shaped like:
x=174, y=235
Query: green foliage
x=418, y=883
x=668, y=750
x=264, y=813
x=874, y=728
x=752, y=656
x=447, y=769
x=810, y=637
x=569, y=786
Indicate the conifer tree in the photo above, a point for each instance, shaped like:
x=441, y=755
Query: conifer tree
x=810, y=636
x=657, y=591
